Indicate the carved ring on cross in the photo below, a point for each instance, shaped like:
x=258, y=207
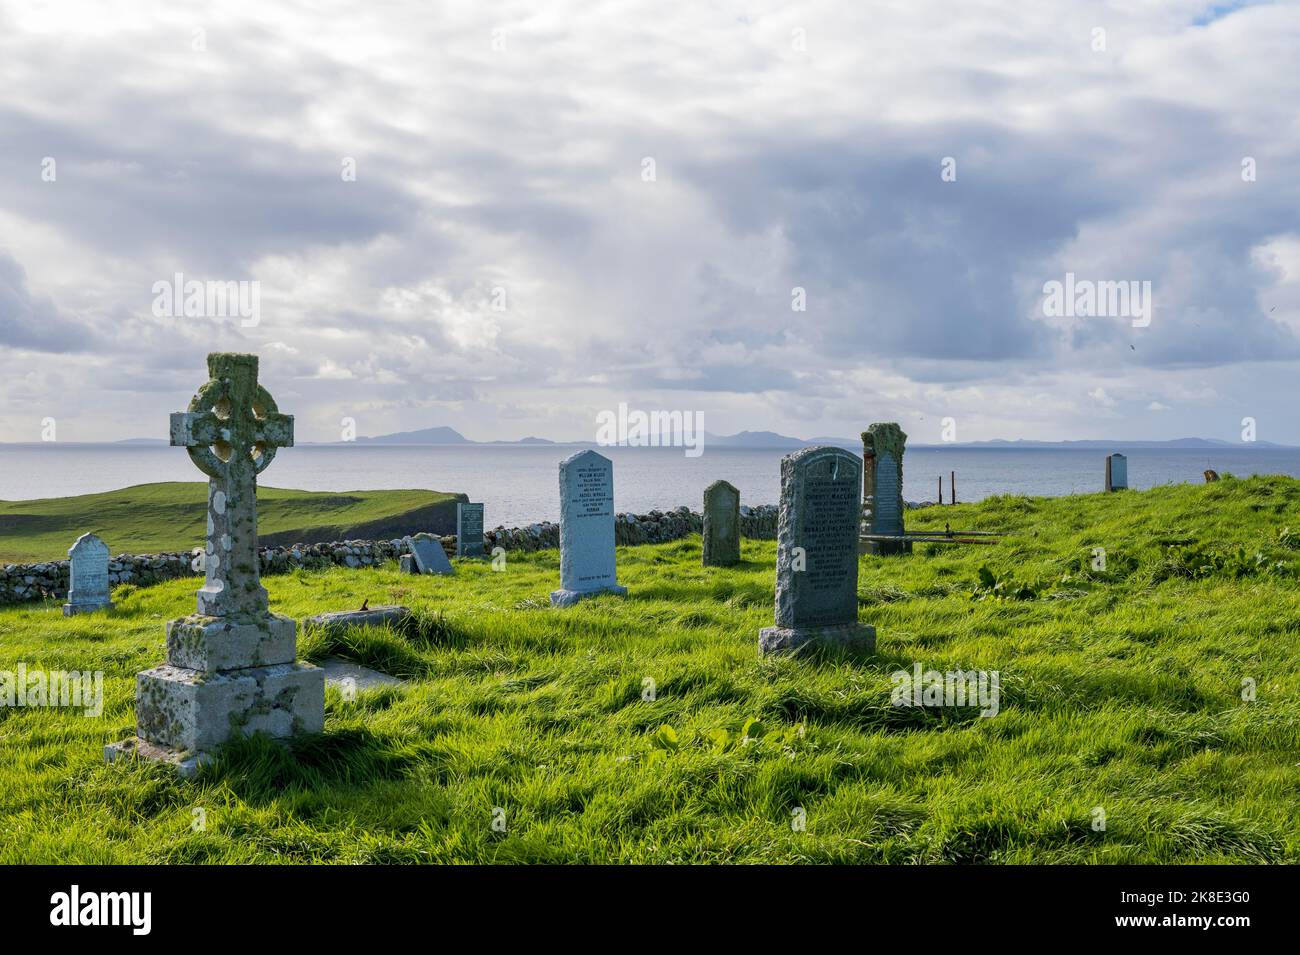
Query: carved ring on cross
x=225, y=428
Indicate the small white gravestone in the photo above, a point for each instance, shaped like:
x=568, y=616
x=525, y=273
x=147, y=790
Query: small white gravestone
x=87, y=576
x=587, y=564
x=1116, y=472
x=430, y=558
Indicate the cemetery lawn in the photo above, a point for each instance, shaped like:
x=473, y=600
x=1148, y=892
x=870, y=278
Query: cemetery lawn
x=1121, y=693
x=172, y=516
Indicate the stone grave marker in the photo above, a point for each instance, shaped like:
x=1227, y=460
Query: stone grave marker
x=587, y=563
x=87, y=576
x=338, y=621
x=230, y=666
x=1116, y=472
x=817, y=554
x=429, y=555
x=721, y=525
x=882, y=487
x=469, y=530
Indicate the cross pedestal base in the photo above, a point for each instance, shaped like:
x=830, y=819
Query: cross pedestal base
x=192, y=711
x=205, y=643
x=187, y=764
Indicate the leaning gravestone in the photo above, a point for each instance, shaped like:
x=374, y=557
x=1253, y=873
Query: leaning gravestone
x=1116, y=472
x=817, y=554
x=721, y=525
x=430, y=557
x=87, y=576
x=469, y=530
x=231, y=666
x=587, y=564
x=882, y=487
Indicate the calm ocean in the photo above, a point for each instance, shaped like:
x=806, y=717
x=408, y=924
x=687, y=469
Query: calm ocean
x=520, y=485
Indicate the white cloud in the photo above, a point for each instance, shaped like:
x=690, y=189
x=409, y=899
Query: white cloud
x=776, y=167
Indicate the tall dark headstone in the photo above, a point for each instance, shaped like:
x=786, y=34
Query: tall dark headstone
x=817, y=554
x=882, y=487
x=469, y=530
x=1116, y=472
x=721, y=525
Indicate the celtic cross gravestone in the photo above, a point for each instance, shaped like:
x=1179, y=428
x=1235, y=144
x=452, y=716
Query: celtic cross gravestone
x=230, y=666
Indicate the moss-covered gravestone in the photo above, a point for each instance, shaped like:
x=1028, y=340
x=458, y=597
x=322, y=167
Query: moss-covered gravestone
x=882, y=487
x=721, y=525
x=231, y=666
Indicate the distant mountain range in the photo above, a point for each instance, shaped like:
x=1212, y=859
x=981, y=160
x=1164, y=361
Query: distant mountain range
x=441, y=435
x=772, y=440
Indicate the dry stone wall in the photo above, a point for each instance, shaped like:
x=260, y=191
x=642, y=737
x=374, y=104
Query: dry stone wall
x=49, y=579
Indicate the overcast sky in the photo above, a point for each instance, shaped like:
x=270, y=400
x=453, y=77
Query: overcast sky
x=500, y=159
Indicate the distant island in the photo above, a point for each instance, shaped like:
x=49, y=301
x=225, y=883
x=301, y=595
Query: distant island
x=773, y=440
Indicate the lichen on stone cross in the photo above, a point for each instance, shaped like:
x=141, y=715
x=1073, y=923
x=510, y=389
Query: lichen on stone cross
x=232, y=430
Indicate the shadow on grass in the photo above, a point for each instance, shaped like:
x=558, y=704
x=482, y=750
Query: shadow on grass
x=259, y=769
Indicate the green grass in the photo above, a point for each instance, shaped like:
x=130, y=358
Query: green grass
x=1121, y=689
x=149, y=518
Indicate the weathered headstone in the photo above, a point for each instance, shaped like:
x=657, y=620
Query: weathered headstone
x=1116, y=472
x=469, y=530
x=231, y=666
x=587, y=563
x=721, y=525
x=430, y=557
x=882, y=487
x=87, y=576
x=817, y=554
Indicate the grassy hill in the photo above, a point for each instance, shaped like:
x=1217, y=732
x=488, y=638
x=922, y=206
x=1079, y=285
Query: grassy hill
x=149, y=518
x=1121, y=694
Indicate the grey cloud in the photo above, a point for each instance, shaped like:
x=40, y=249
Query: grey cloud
x=34, y=321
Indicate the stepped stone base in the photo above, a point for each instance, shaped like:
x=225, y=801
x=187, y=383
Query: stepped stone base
x=853, y=636
x=567, y=598
x=190, y=710
x=205, y=643
x=187, y=763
